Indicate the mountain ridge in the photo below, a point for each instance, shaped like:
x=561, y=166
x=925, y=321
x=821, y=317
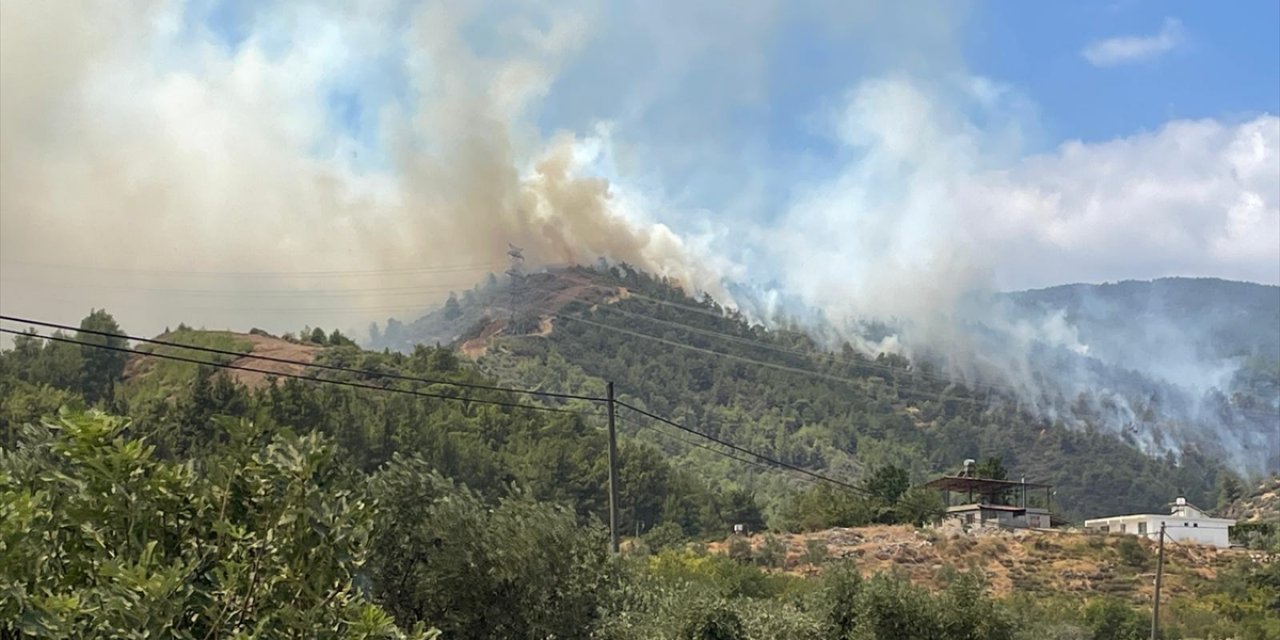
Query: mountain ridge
x=691, y=357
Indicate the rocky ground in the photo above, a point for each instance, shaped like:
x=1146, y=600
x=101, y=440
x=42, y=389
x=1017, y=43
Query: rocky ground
x=1260, y=505
x=1012, y=560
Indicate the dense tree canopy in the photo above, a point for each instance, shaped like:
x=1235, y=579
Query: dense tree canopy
x=777, y=392
x=294, y=508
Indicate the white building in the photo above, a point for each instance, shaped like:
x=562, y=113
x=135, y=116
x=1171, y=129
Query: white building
x=1184, y=523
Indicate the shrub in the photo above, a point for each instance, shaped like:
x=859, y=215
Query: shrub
x=838, y=598
x=772, y=553
x=1111, y=619
x=101, y=538
x=1132, y=552
x=920, y=506
x=443, y=556
x=716, y=574
x=716, y=622
x=815, y=551
x=664, y=536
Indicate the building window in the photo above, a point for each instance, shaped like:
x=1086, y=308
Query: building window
x=1122, y=527
x=968, y=518
x=1105, y=528
x=1196, y=524
x=1142, y=528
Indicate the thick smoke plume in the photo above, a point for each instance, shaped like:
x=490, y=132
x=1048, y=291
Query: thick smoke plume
x=315, y=164
x=935, y=212
x=168, y=183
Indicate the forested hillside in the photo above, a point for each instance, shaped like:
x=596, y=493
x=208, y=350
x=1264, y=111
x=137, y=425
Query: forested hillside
x=345, y=493
x=780, y=393
x=1222, y=318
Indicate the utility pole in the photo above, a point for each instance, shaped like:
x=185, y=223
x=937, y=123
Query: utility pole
x=613, y=473
x=1155, y=609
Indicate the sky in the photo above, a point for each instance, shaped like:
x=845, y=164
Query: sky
x=237, y=163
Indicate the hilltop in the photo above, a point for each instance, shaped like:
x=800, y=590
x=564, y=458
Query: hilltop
x=142, y=370
x=489, y=311
x=783, y=393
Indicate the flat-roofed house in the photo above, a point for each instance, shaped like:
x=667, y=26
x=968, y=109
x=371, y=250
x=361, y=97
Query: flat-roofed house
x=1184, y=523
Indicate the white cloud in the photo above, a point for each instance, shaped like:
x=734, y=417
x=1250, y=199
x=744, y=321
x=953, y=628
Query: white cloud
x=1126, y=49
x=1193, y=198
x=929, y=201
x=934, y=207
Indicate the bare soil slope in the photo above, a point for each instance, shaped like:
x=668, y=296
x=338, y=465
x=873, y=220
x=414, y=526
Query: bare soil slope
x=1027, y=561
x=275, y=348
x=140, y=367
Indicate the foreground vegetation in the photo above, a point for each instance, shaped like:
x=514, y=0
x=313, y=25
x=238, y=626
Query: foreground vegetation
x=196, y=507
x=272, y=534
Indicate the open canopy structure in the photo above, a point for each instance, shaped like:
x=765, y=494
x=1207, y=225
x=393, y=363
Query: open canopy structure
x=981, y=486
x=987, y=499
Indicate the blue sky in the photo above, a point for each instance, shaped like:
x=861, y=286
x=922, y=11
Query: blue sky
x=277, y=163
x=841, y=152
x=1227, y=67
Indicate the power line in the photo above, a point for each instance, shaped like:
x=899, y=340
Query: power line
x=237, y=354
x=760, y=456
x=362, y=310
x=900, y=386
x=865, y=362
x=344, y=383
x=771, y=365
x=714, y=450
x=974, y=386
x=713, y=352
x=455, y=268
x=319, y=293
x=703, y=310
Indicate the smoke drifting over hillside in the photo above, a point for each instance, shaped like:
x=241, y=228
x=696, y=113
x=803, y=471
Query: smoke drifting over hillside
x=925, y=223
x=314, y=164
x=178, y=175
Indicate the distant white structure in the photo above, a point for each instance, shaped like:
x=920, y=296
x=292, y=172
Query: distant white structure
x=1185, y=522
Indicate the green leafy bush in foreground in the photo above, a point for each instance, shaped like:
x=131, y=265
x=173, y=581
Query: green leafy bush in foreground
x=99, y=538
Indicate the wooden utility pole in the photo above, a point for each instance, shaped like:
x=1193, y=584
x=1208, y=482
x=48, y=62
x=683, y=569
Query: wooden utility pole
x=613, y=473
x=1155, y=608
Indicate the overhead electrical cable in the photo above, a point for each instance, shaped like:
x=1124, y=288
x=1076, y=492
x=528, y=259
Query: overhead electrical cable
x=344, y=383
x=866, y=363
x=772, y=365
x=714, y=450
x=174, y=304
x=313, y=365
x=901, y=386
x=725, y=443
x=456, y=268
x=723, y=315
x=351, y=292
